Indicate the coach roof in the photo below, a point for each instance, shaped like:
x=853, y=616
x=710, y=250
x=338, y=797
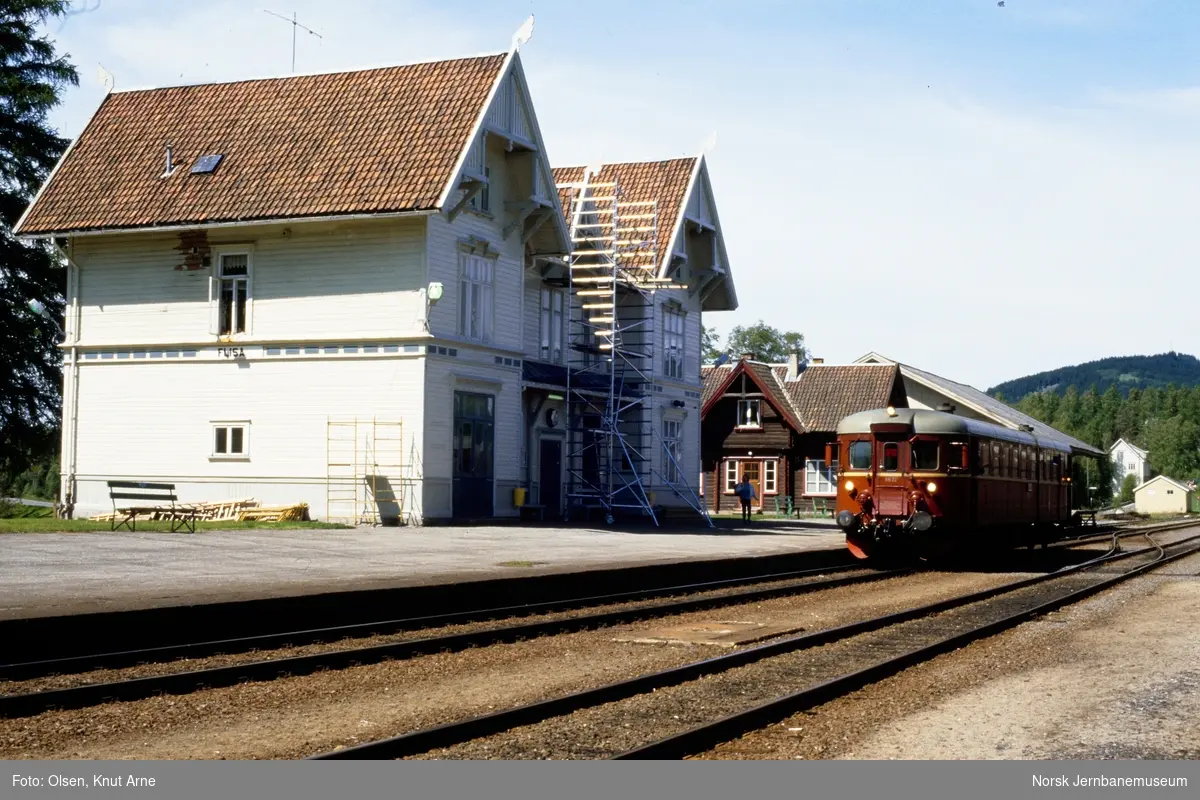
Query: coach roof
x=921, y=420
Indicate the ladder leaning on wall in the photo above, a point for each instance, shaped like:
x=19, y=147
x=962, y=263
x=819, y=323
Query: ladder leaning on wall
x=364, y=471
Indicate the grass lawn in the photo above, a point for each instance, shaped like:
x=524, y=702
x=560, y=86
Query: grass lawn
x=16, y=518
x=50, y=525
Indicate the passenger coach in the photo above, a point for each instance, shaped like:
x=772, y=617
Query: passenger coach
x=918, y=481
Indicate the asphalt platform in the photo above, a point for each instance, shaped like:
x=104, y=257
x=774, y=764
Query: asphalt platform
x=56, y=574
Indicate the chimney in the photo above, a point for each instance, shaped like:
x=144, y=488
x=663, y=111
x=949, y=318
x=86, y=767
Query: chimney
x=793, y=366
x=748, y=356
x=818, y=361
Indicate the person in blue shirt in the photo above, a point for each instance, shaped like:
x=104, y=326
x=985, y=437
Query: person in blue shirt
x=745, y=492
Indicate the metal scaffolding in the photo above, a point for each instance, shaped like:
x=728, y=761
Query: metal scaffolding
x=364, y=471
x=610, y=377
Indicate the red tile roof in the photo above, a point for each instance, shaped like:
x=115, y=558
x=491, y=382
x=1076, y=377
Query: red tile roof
x=664, y=181
x=365, y=142
x=823, y=395
x=716, y=379
x=820, y=396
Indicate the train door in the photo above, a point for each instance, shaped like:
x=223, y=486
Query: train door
x=891, y=491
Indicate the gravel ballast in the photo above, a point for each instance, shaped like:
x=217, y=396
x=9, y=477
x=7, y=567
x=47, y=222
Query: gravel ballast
x=299, y=716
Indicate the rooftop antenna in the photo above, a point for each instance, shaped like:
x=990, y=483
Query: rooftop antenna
x=295, y=25
x=106, y=78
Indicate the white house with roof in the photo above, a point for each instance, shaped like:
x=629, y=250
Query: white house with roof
x=329, y=297
x=1163, y=495
x=1128, y=459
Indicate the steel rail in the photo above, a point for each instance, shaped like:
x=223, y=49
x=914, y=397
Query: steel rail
x=20, y=705
x=497, y=722
x=25, y=670
x=704, y=737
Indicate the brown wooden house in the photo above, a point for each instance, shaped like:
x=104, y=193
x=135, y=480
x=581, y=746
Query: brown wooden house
x=772, y=422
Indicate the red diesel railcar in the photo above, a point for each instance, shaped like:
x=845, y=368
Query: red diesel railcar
x=913, y=480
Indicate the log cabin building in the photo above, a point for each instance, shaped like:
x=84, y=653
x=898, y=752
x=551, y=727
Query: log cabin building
x=772, y=422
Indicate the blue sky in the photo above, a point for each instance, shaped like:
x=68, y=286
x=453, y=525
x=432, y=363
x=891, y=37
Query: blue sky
x=980, y=191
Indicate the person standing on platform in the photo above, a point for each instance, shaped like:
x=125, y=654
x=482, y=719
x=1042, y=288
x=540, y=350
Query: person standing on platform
x=746, y=493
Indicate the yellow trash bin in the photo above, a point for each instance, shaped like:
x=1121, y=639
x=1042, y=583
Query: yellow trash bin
x=519, y=496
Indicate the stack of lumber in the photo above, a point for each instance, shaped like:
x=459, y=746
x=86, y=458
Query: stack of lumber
x=297, y=512
x=225, y=510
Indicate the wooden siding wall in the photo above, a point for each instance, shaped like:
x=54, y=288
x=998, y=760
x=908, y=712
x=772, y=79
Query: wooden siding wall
x=723, y=437
x=153, y=421
x=338, y=280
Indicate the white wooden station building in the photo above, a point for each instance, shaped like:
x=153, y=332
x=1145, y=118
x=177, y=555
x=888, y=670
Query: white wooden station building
x=348, y=290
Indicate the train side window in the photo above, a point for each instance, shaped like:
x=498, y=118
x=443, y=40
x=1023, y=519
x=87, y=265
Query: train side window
x=997, y=462
x=985, y=461
x=890, y=458
x=860, y=455
x=924, y=455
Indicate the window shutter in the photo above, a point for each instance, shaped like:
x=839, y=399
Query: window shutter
x=213, y=305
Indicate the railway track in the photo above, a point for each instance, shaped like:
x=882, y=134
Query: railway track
x=758, y=682
x=622, y=607
x=702, y=596
x=25, y=670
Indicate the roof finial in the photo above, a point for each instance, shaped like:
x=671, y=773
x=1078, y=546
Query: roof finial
x=523, y=34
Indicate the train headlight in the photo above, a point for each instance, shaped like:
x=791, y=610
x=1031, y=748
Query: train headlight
x=931, y=487
x=849, y=486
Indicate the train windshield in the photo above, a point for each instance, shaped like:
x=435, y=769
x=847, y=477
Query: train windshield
x=890, y=458
x=924, y=455
x=860, y=455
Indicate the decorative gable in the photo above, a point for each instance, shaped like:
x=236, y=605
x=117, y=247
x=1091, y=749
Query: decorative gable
x=532, y=207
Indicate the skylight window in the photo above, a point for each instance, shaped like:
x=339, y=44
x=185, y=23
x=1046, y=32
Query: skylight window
x=206, y=164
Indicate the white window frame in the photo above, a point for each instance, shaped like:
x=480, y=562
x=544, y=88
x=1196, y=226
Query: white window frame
x=476, y=297
x=819, y=479
x=672, y=434
x=228, y=426
x=731, y=475
x=674, y=332
x=552, y=328
x=770, y=472
x=215, y=282
x=745, y=403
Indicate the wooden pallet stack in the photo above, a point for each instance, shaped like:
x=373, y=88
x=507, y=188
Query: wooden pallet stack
x=247, y=510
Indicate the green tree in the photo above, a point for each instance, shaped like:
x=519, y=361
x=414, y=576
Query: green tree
x=1131, y=418
x=710, y=344
x=1089, y=413
x=1068, y=417
x=768, y=344
x=31, y=77
x=1127, y=487
x=1174, y=445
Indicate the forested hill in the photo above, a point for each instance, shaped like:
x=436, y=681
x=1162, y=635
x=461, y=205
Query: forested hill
x=1126, y=372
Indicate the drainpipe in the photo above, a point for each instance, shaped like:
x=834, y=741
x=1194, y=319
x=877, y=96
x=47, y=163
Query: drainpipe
x=70, y=438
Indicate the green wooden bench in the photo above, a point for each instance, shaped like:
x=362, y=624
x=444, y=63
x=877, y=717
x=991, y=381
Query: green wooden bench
x=814, y=506
x=783, y=506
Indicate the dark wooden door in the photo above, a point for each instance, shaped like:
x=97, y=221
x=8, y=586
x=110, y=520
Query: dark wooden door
x=474, y=439
x=550, y=477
